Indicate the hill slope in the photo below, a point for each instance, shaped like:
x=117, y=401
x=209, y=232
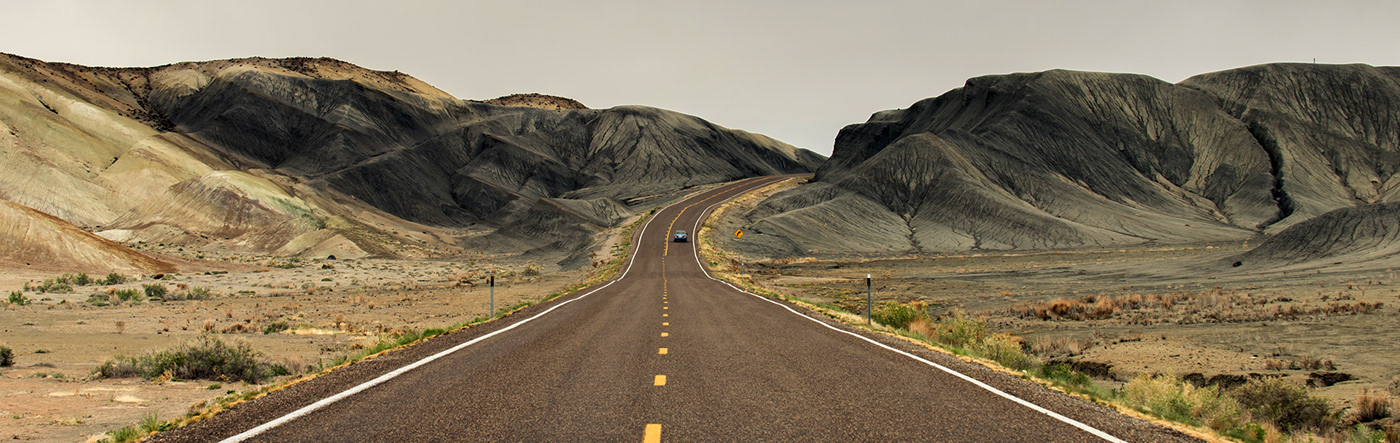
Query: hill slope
x=1062, y=159
x=1347, y=235
x=301, y=156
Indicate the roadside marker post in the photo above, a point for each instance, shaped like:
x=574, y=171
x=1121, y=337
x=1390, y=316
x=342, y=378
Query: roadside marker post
x=492, y=279
x=743, y=269
x=867, y=299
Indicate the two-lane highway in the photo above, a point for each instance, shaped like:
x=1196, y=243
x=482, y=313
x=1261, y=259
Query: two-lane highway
x=667, y=353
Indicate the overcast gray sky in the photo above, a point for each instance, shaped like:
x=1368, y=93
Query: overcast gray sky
x=795, y=70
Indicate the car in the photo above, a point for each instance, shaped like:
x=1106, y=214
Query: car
x=680, y=237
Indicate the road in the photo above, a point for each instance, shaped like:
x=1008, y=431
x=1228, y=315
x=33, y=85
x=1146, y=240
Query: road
x=666, y=353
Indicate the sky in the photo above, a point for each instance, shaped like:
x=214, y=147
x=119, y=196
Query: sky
x=795, y=70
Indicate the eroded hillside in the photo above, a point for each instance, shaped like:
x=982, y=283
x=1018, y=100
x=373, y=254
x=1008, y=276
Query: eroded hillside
x=1064, y=159
x=317, y=156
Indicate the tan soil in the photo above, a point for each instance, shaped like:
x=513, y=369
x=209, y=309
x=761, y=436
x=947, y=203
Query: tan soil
x=1186, y=338
x=60, y=338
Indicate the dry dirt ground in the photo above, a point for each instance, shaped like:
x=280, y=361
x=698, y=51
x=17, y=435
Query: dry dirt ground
x=332, y=308
x=1119, y=312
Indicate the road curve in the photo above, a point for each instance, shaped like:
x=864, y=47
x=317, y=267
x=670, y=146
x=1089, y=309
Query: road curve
x=666, y=353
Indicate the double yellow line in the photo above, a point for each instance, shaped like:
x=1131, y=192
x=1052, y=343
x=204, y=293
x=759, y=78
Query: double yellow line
x=671, y=227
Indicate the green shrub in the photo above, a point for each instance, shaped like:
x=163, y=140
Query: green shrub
x=1005, y=349
x=7, y=356
x=1065, y=375
x=155, y=290
x=114, y=279
x=961, y=330
x=130, y=295
x=1170, y=398
x=98, y=299
x=57, y=286
x=530, y=271
x=80, y=279
x=123, y=435
x=151, y=422
x=896, y=315
x=200, y=293
x=18, y=298
x=1288, y=405
x=207, y=358
x=276, y=327
x=1160, y=395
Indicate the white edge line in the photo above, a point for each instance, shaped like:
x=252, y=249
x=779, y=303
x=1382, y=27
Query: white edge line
x=965, y=377
x=400, y=371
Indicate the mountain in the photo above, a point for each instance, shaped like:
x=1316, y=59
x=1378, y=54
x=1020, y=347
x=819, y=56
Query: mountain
x=317, y=156
x=1063, y=159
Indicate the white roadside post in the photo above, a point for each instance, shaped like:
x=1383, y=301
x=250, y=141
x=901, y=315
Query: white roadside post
x=867, y=299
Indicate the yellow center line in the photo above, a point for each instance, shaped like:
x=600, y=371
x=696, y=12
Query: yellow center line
x=662, y=351
x=652, y=434
x=660, y=381
x=665, y=315
x=664, y=307
x=665, y=323
x=665, y=334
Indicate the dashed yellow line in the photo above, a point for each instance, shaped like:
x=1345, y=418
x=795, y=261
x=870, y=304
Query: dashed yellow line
x=660, y=381
x=665, y=323
x=662, y=351
x=665, y=334
x=652, y=434
x=665, y=315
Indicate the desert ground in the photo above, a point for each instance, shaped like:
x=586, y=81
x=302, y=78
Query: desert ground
x=1114, y=313
x=302, y=313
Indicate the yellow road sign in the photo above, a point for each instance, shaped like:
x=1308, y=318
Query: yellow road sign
x=739, y=233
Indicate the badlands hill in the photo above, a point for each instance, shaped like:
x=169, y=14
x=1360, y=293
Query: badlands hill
x=320, y=157
x=1064, y=159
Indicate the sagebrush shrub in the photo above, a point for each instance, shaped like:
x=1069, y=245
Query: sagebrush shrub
x=130, y=295
x=1169, y=397
x=896, y=315
x=55, y=285
x=200, y=293
x=1286, y=404
x=155, y=290
x=18, y=298
x=207, y=358
x=961, y=330
x=114, y=279
x=1004, y=349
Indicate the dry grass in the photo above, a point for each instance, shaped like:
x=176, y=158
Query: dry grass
x=1302, y=363
x=921, y=326
x=1372, y=406
x=1214, y=305
x=1056, y=347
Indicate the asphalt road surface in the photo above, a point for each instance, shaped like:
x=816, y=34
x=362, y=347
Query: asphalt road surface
x=666, y=353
